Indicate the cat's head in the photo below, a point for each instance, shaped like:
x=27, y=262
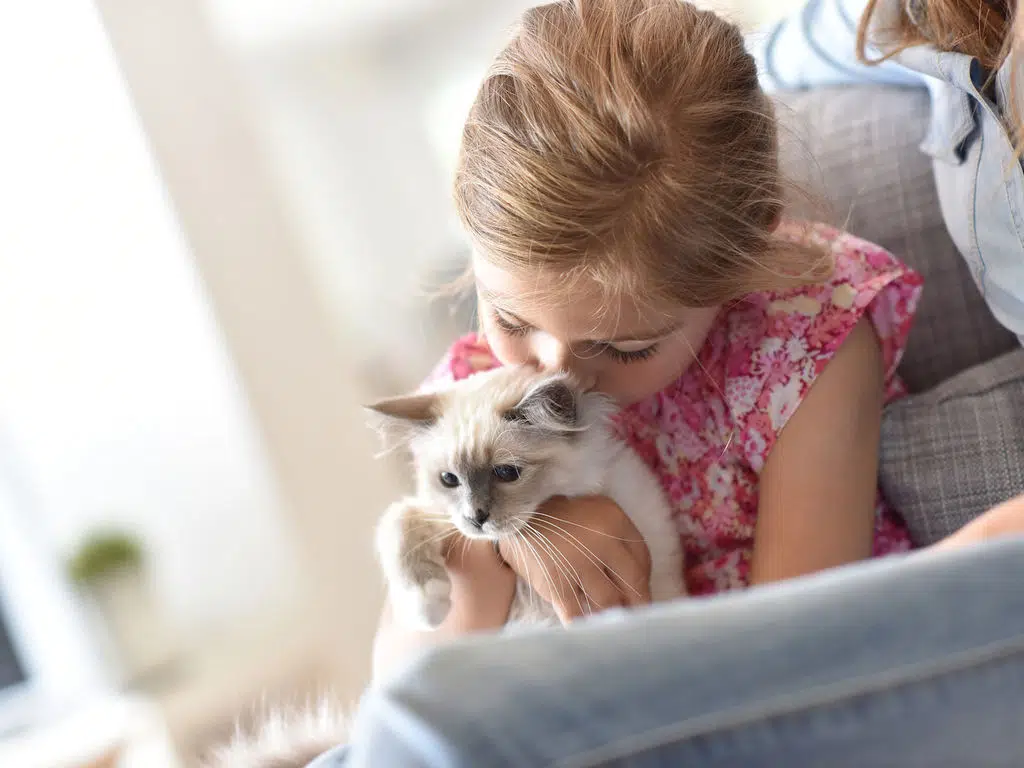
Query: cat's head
x=489, y=450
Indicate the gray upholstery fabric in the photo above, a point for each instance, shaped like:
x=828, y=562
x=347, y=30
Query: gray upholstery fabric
x=956, y=449
x=856, y=148
x=951, y=453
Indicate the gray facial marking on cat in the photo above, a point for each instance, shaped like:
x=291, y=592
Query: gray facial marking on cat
x=480, y=486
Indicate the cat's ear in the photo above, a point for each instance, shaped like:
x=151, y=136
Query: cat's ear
x=398, y=419
x=418, y=408
x=552, y=404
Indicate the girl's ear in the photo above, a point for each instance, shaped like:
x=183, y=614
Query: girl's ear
x=398, y=419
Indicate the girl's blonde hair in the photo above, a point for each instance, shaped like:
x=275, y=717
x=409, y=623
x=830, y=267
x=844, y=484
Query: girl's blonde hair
x=630, y=140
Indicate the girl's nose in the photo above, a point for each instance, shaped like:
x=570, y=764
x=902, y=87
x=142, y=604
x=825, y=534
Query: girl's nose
x=550, y=354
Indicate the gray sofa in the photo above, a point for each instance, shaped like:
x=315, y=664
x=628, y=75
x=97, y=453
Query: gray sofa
x=956, y=446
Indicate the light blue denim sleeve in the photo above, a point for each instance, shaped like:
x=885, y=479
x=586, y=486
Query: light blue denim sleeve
x=914, y=661
x=817, y=46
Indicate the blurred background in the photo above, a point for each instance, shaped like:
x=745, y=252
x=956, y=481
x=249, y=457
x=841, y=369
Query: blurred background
x=222, y=224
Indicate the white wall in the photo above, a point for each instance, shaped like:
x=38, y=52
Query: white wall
x=297, y=369
x=114, y=383
x=348, y=121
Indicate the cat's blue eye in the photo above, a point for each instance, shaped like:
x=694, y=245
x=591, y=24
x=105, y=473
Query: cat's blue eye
x=449, y=480
x=506, y=473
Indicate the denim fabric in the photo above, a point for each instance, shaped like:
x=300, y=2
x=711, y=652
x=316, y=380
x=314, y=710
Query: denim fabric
x=905, y=661
x=979, y=178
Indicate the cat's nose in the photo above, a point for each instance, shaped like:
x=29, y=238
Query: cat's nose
x=479, y=517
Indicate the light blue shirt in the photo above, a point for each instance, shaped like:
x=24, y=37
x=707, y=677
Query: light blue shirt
x=977, y=172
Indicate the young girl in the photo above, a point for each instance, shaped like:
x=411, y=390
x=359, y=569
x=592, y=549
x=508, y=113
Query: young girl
x=619, y=182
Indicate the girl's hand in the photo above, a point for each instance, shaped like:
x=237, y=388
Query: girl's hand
x=482, y=591
x=1005, y=520
x=582, y=555
x=482, y=587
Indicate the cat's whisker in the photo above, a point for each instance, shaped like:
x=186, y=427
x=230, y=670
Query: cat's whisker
x=546, y=516
x=589, y=554
x=555, y=561
x=436, y=522
x=431, y=540
x=438, y=535
x=438, y=516
x=575, y=580
x=521, y=549
x=547, y=573
x=465, y=548
x=419, y=525
x=521, y=539
x=564, y=566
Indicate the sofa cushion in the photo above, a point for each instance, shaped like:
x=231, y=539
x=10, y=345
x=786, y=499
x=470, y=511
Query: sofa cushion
x=856, y=150
x=951, y=453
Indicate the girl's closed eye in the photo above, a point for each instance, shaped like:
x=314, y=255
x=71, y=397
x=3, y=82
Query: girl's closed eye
x=509, y=325
x=620, y=352
x=630, y=352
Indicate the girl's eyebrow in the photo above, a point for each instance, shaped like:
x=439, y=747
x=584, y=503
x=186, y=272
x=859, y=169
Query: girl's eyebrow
x=651, y=336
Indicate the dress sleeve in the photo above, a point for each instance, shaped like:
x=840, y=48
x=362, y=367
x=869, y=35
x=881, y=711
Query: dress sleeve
x=790, y=337
x=468, y=355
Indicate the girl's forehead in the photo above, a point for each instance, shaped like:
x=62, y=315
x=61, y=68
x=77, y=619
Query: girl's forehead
x=572, y=305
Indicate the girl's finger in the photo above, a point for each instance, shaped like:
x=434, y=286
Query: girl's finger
x=593, y=593
x=631, y=576
x=472, y=557
x=536, y=568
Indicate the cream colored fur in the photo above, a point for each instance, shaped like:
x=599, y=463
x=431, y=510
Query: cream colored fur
x=284, y=739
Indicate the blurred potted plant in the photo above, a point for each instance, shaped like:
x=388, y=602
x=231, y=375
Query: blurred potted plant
x=103, y=556
x=109, y=567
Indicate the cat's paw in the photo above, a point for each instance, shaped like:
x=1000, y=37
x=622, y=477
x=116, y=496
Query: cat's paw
x=410, y=541
x=426, y=605
x=435, y=602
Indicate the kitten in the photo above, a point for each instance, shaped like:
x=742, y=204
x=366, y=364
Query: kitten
x=487, y=452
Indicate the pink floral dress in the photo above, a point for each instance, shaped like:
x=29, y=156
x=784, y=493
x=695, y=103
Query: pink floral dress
x=708, y=434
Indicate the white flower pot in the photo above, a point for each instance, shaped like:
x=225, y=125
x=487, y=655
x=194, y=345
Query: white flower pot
x=138, y=634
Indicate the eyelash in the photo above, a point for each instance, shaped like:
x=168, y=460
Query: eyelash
x=634, y=356
x=618, y=355
x=510, y=328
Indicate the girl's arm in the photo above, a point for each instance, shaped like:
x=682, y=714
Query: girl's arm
x=820, y=483
x=482, y=590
